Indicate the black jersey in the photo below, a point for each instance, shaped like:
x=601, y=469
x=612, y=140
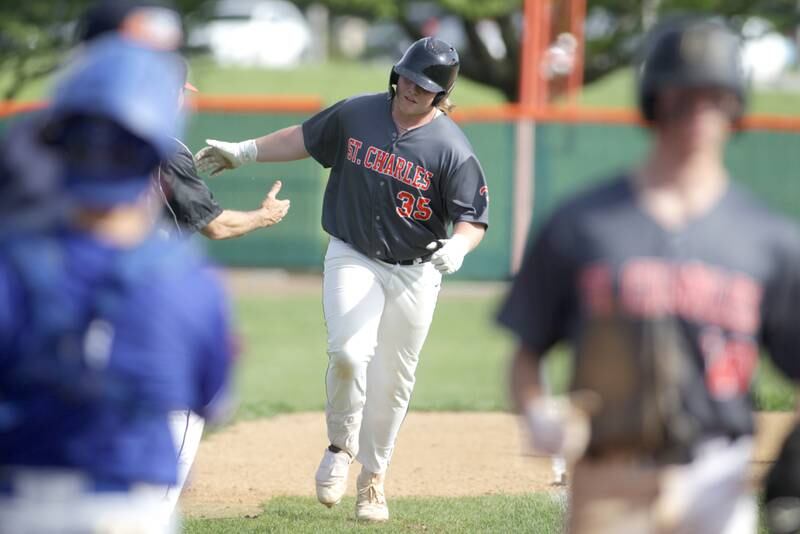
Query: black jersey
x=730, y=279
x=188, y=203
x=390, y=195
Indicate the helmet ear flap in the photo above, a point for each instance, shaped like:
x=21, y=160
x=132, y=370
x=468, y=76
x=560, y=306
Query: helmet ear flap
x=647, y=105
x=438, y=98
x=393, y=79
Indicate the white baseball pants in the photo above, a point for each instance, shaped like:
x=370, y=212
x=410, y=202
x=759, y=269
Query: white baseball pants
x=187, y=430
x=377, y=316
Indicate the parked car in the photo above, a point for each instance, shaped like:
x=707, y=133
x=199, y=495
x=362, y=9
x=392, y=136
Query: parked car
x=248, y=33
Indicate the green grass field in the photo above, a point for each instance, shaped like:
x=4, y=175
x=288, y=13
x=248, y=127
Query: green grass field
x=283, y=365
x=538, y=514
x=463, y=367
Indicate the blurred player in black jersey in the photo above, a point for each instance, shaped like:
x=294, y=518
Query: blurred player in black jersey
x=665, y=281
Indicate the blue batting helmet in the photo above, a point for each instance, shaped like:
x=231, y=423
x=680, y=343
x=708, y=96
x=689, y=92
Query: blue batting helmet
x=113, y=117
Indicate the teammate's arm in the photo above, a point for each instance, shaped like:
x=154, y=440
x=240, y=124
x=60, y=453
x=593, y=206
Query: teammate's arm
x=284, y=145
x=558, y=425
x=524, y=385
x=232, y=223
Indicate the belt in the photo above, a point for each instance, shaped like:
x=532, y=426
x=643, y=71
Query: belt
x=413, y=261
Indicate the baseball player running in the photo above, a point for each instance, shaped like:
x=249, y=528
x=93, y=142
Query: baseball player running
x=665, y=281
x=401, y=173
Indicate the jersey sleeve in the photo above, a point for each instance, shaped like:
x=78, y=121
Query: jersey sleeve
x=466, y=194
x=780, y=330
x=189, y=198
x=539, y=304
x=322, y=135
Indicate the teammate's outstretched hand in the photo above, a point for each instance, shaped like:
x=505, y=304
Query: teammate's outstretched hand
x=274, y=209
x=220, y=155
x=450, y=254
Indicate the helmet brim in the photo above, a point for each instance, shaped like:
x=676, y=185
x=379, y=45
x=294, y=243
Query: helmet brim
x=424, y=82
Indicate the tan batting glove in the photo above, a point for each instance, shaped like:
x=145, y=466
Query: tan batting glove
x=557, y=426
x=220, y=155
x=450, y=254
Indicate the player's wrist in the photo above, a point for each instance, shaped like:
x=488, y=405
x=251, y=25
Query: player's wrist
x=248, y=151
x=461, y=243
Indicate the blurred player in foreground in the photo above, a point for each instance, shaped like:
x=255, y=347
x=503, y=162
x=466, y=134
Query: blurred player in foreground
x=185, y=201
x=402, y=173
x=665, y=281
x=104, y=327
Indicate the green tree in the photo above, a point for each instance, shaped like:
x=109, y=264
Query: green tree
x=628, y=19
x=34, y=35
x=606, y=51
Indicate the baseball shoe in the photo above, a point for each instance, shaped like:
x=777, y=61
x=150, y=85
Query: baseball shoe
x=371, y=502
x=331, y=477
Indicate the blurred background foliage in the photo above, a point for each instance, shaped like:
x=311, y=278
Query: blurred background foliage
x=34, y=36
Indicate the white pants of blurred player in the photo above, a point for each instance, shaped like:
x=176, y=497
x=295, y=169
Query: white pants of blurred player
x=187, y=430
x=57, y=502
x=378, y=316
x=624, y=496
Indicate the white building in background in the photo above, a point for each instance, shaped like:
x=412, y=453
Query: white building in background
x=255, y=33
x=766, y=53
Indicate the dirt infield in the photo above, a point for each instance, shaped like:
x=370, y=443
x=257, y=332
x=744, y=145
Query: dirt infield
x=438, y=454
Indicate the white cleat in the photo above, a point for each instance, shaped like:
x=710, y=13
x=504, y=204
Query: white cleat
x=331, y=477
x=371, y=501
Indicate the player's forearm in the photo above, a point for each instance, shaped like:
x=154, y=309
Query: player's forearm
x=472, y=232
x=524, y=378
x=231, y=223
x=284, y=145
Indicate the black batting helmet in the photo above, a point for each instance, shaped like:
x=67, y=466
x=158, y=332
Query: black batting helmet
x=690, y=52
x=430, y=63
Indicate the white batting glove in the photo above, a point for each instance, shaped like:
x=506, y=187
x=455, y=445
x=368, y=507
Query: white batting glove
x=450, y=254
x=220, y=155
x=557, y=427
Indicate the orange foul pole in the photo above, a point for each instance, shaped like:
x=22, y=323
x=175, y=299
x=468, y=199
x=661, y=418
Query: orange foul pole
x=530, y=85
x=529, y=73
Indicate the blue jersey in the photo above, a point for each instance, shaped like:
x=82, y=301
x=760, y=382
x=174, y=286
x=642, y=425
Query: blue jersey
x=150, y=341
